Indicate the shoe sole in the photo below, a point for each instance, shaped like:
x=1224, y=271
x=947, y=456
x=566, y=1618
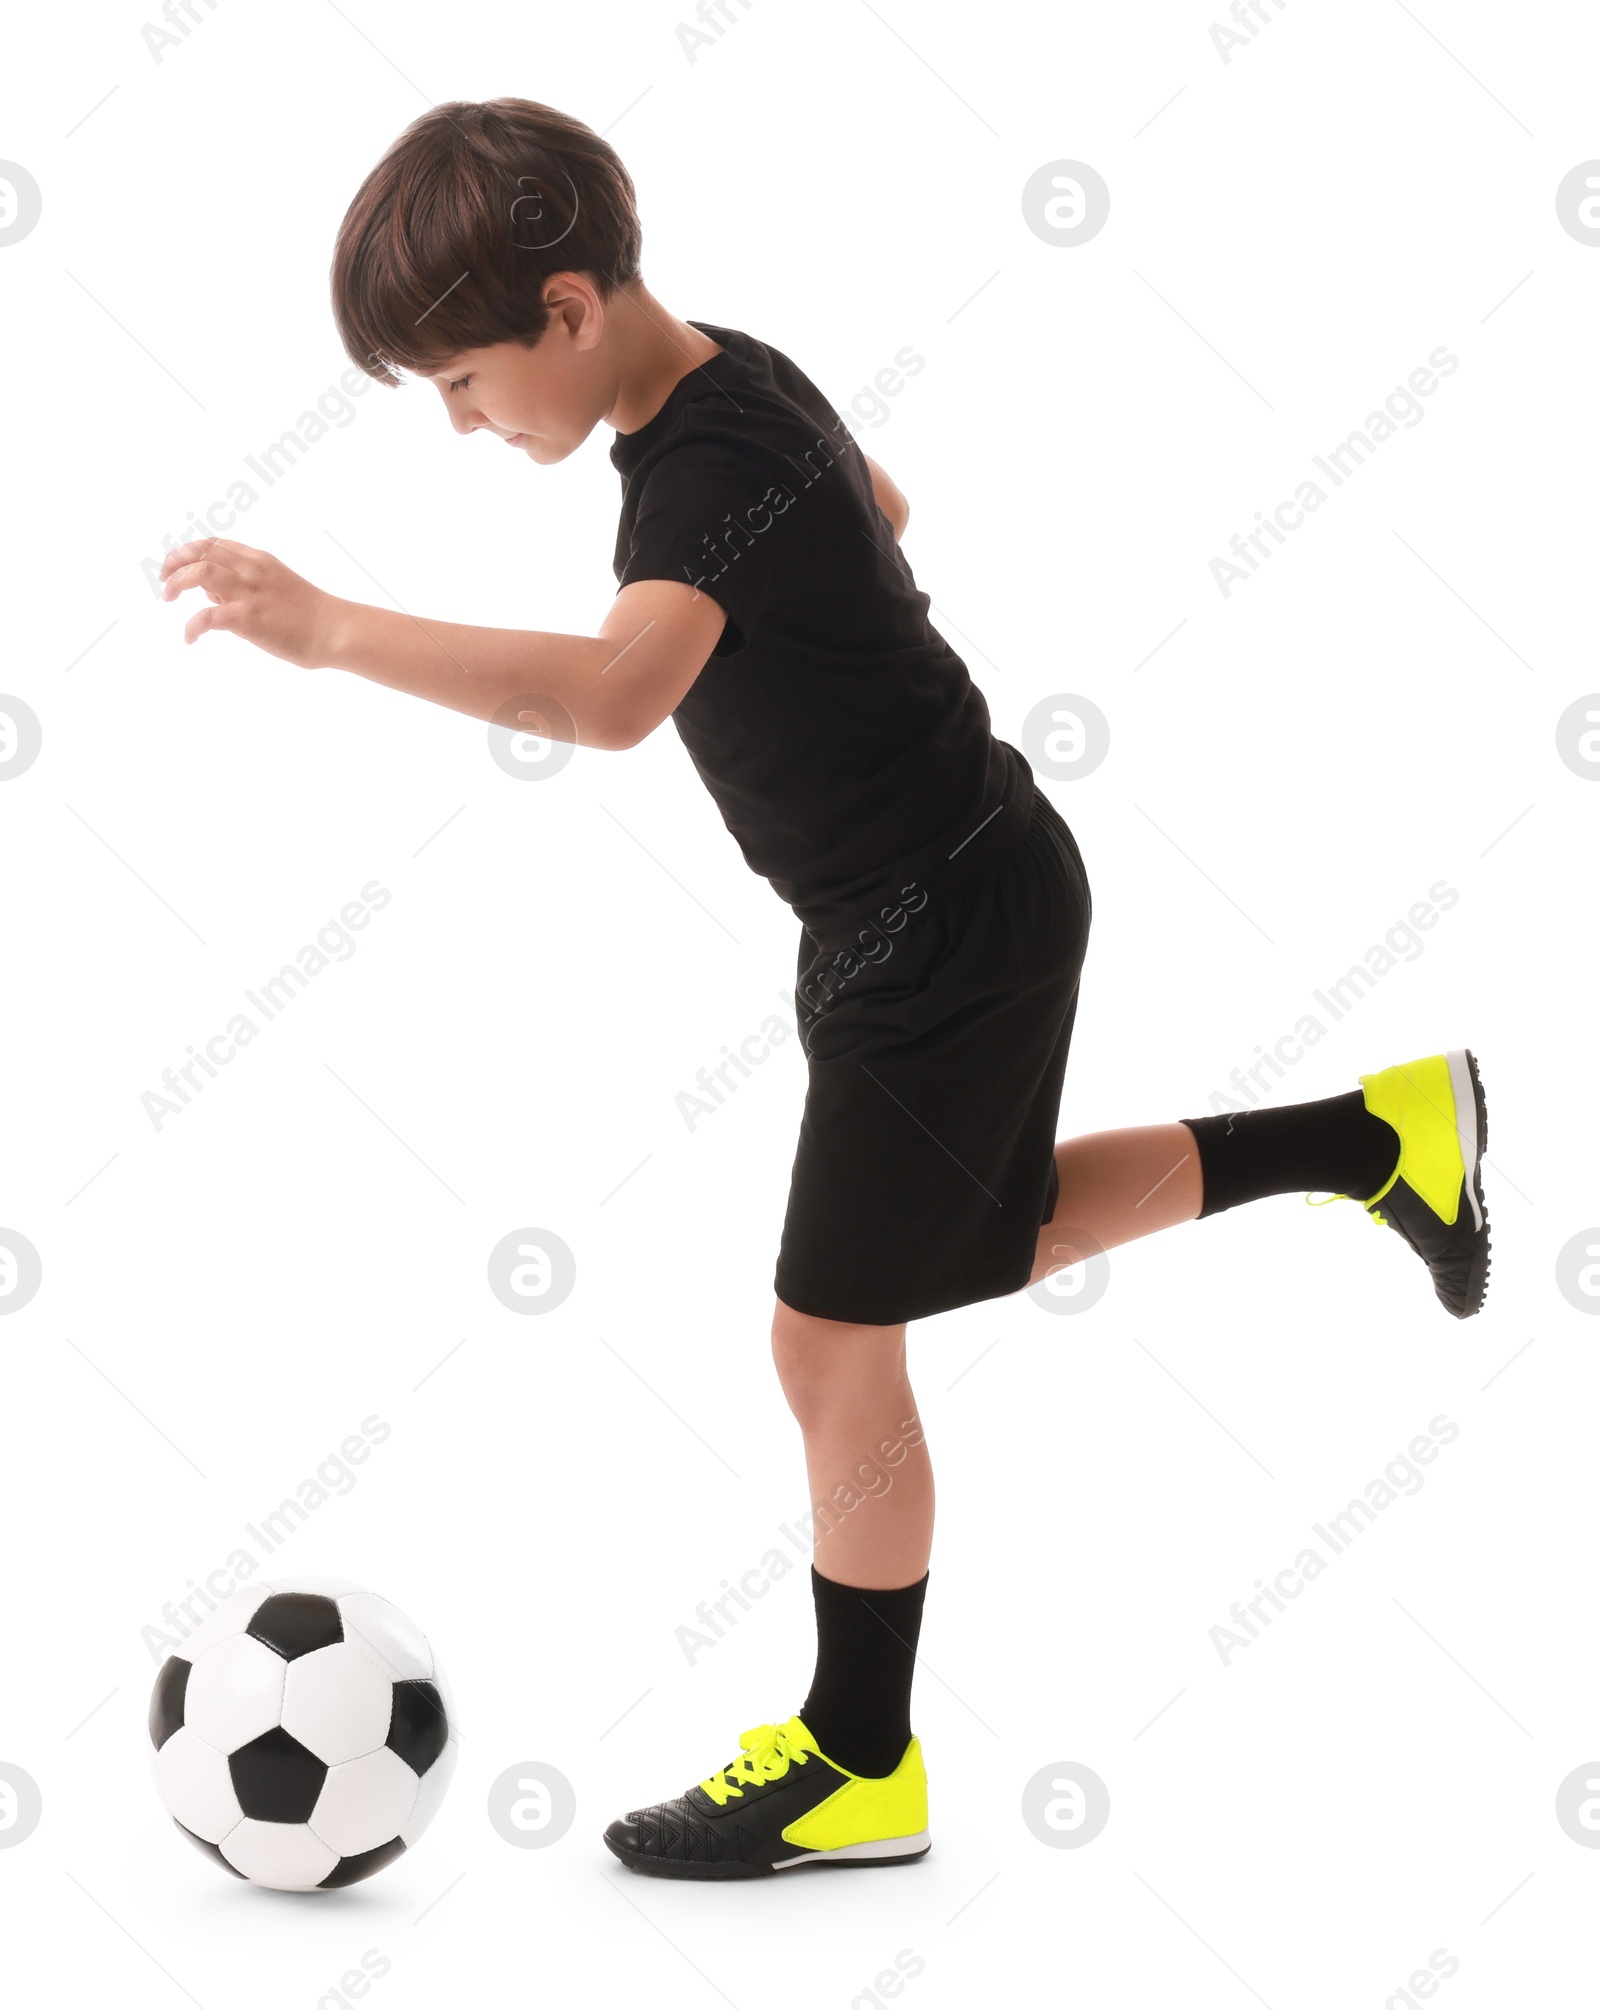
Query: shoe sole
x=1464, y=1074
x=850, y=1856
x=1472, y=1135
x=893, y=1849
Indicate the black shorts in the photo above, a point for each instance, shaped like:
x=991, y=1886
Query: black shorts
x=926, y=1162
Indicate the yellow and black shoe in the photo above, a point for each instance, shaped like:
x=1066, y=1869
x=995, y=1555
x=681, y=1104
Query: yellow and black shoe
x=1434, y=1196
x=781, y=1804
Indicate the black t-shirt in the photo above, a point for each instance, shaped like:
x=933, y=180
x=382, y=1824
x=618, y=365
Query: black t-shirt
x=841, y=737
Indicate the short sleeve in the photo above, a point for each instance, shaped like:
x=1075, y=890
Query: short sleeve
x=720, y=519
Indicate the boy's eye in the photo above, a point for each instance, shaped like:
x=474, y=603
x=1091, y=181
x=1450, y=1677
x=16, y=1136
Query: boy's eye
x=461, y=383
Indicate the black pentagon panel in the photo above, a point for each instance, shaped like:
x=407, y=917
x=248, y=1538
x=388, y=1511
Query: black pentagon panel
x=418, y=1728
x=276, y=1778
x=210, y=1849
x=166, y=1700
x=352, y=1869
x=293, y=1623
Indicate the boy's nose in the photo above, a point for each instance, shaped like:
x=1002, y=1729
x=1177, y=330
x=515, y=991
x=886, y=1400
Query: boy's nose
x=462, y=417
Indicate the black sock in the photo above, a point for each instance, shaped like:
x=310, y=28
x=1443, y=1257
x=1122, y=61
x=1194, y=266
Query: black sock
x=859, y=1708
x=1333, y=1146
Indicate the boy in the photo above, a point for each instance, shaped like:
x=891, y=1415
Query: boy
x=765, y=607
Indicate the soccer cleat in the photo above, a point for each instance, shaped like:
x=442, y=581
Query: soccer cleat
x=1434, y=1196
x=781, y=1804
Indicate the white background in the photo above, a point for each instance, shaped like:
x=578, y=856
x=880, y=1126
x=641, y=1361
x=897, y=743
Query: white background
x=1292, y=232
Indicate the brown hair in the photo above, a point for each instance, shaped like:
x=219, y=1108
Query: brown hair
x=450, y=239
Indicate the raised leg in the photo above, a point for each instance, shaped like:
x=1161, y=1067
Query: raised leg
x=1117, y=1186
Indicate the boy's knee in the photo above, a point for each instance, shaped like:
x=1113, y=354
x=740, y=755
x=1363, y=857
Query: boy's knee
x=802, y=1374
x=826, y=1366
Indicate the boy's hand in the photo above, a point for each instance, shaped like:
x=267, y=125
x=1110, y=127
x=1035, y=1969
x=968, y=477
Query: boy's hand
x=255, y=596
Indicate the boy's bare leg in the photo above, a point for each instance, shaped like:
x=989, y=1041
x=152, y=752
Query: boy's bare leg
x=1118, y=1185
x=847, y=1384
x=848, y=1389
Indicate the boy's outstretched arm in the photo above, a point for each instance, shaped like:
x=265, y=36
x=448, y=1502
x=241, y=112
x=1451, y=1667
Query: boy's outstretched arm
x=617, y=686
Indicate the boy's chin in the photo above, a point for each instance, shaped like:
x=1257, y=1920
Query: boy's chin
x=548, y=448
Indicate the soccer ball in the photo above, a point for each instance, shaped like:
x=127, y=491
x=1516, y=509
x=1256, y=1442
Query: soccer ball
x=304, y=1735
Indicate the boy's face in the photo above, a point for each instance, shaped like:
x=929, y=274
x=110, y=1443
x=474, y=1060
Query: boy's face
x=545, y=400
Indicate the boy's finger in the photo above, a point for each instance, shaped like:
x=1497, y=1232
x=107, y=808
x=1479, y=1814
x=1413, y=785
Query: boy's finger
x=205, y=572
x=185, y=554
x=207, y=619
x=202, y=547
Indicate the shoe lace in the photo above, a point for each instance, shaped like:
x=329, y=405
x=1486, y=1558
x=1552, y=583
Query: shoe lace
x=765, y=1753
x=1367, y=1204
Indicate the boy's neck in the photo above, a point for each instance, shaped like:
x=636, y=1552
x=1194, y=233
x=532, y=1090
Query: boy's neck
x=654, y=350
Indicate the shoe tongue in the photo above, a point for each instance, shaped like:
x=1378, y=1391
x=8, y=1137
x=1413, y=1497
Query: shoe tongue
x=800, y=1738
